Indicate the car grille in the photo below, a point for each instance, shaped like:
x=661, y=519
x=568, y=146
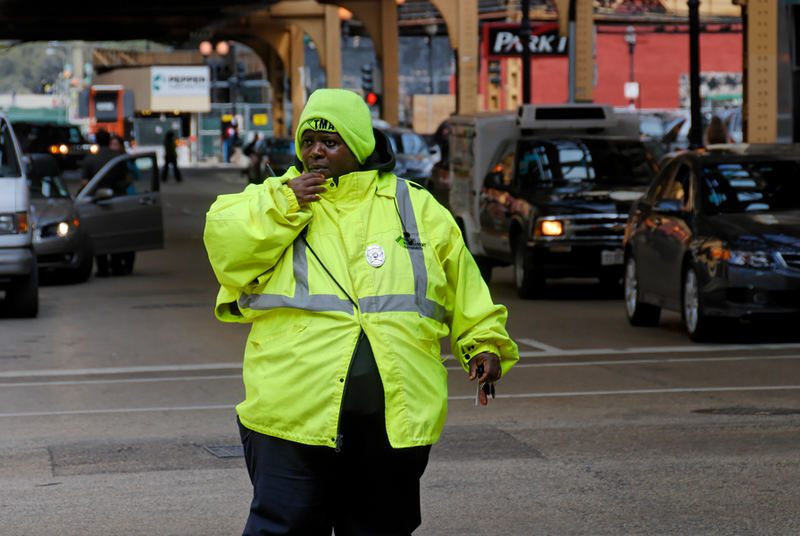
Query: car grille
x=790, y=259
x=600, y=226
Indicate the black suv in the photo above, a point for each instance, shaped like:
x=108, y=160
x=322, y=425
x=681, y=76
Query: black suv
x=65, y=142
x=555, y=206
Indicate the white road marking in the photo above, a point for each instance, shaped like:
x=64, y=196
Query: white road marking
x=662, y=349
x=466, y=397
x=547, y=353
x=537, y=344
x=682, y=360
x=123, y=380
x=641, y=391
x=120, y=370
x=112, y=410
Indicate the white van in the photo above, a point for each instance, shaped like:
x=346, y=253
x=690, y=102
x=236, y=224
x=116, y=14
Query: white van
x=19, y=280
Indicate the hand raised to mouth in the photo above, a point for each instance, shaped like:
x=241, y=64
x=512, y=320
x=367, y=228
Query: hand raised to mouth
x=307, y=186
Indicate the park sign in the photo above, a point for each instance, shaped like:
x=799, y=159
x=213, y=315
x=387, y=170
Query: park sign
x=503, y=40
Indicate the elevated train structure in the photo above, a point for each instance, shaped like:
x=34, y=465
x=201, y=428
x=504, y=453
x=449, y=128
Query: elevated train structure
x=275, y=30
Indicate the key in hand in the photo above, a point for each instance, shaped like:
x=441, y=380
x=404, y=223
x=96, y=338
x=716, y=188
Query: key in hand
x=478, y=374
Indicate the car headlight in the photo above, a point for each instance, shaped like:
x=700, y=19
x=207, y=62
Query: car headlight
x=60, y=229
x=549, y=228
x=738, y=257
x=14, y=223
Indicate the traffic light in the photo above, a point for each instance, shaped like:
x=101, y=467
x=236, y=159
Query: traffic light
x=366, y=79
x=372, y=98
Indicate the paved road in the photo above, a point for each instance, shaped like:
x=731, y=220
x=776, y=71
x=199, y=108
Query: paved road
x=111, y=399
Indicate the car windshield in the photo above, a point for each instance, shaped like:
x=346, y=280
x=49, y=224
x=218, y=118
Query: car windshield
x=67, y=135
x=750, y=186
x=407, y=143
x=9, y=164
x=556, y=162
x=47, y=188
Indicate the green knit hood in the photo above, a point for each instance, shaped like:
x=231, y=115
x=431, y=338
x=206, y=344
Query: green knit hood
x=341, y=111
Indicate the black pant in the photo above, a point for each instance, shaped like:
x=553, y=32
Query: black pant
x=120, y=263
x=175, y=169
x=368, y=488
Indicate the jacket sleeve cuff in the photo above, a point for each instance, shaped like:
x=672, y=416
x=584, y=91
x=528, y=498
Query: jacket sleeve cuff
x=294, y=206
x=470, y=351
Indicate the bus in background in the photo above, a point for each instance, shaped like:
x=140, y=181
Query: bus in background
x=107, y=107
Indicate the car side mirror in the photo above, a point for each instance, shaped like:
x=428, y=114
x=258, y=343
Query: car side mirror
x=101, y=194
x=669, y=206
x=494, y=180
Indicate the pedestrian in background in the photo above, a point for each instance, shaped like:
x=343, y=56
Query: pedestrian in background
x=255, y=169
x=350, y=276
x=717, y=131
x=170, y=158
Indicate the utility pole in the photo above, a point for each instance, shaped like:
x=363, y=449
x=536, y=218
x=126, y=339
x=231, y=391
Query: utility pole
x=525, y=35
x=696, y=127
x=572, y=50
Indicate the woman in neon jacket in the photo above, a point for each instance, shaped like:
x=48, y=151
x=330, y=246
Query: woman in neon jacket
x=349, y=277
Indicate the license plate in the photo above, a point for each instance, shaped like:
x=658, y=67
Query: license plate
x=609, y=257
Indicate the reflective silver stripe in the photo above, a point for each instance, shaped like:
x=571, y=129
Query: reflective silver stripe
x=426, y=307
x=301, y=299
x=401, y=302
x=417, y=302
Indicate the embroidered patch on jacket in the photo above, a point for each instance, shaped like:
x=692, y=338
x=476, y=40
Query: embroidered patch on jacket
x=409, y=242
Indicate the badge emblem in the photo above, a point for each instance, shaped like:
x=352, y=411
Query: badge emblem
x=375, y=255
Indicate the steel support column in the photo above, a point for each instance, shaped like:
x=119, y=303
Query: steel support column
x=576, y=20
x=380, y=19
x=461, y=19
x=297, y=63
x=760, y=107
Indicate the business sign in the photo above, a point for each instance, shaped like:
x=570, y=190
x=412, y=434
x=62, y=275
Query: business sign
x=505, y=40
x=179, y=81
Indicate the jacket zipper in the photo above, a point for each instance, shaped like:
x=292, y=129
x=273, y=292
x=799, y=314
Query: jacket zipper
x=339, y=435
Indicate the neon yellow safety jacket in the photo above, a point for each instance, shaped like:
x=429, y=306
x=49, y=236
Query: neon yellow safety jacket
x=419, y=284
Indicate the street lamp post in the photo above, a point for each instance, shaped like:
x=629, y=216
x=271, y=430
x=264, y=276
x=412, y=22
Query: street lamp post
x=64, y=75
x=630, y=38
x=430, y=29
x=206, y=49
x=696, y=126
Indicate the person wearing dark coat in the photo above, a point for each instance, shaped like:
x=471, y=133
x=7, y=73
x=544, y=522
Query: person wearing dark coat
x=170, y=158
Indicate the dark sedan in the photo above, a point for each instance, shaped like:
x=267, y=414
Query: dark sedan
x=61, y=243
x=65, y=142
x=717, y=237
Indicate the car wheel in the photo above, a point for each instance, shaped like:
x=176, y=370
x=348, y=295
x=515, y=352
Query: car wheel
x=22, y=299
x=84, y=270
x=639, y=314
x=528, y=280
x=699, y=326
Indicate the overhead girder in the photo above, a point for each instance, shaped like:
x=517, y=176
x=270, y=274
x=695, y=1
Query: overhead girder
x=282, y=27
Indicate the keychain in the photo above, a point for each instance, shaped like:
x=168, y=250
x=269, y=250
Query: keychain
x=488, y=388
